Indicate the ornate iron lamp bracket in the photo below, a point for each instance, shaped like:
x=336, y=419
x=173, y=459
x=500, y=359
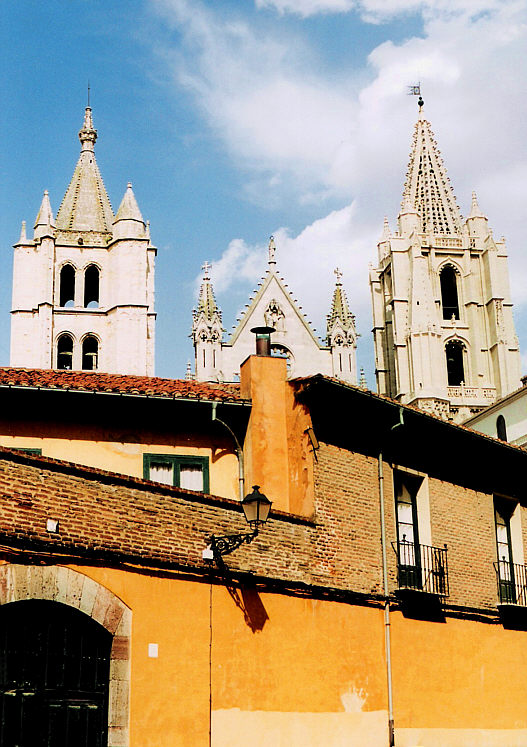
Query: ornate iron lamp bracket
x=227, y=543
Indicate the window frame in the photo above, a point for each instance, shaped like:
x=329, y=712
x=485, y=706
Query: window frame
x=409, y=574
x=176, y=461
x=505, y=511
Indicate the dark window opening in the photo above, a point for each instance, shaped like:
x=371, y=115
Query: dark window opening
x=502, y=517
x=67, y=286
x=454, y=362
x=501, y=428
x=65, y=352
x=54, y=677
x=90, y=353
x=190, y=472
x=91, y=287
x=408, y=549
x=449, y=295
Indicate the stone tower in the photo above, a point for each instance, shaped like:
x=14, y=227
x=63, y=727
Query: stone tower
x=442, y=316
x=207, y=331
x=83, y=286
x=273, y=306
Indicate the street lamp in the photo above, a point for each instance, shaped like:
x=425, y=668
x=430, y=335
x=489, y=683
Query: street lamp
x=256, y=507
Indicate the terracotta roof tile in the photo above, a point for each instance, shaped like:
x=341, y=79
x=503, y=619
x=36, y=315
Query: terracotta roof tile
x=120, y=384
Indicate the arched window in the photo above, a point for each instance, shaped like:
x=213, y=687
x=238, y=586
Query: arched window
x=91, y=287
x=67, y=286
x=90, y=353
x=65, y=352
x=501, y=428
x=454, y=362
x=449, y=295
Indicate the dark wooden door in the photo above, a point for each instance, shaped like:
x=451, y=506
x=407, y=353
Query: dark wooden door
x=54, y=676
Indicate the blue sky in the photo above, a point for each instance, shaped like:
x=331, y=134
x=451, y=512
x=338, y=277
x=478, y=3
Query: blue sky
x=235, y=120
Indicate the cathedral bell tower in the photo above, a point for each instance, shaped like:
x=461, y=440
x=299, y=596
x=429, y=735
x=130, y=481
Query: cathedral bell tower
x=442, y=316
x=83, y=286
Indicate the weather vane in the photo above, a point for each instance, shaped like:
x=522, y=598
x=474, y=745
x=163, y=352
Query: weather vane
x=206, y=267
x=415, y=90
x=88, y=93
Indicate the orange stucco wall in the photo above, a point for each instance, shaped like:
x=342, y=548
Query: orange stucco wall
x=123, y=451
x=283, y=656
x=277, y=452
x=269, y=668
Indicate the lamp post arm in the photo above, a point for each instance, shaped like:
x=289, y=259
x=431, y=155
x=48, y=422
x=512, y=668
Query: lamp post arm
x=227, y=543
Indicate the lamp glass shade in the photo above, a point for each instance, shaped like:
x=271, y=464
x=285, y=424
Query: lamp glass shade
x=256, y=506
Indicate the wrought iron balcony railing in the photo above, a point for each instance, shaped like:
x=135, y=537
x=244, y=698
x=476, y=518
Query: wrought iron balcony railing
x=512, y=582
x=422, y=567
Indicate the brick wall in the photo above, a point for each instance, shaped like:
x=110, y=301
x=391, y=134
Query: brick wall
x=106, y=515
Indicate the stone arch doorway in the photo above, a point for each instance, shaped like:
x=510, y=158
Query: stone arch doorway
x=54, y=676
x=99, y=605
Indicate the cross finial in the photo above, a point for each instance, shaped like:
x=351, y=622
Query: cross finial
x=206, y=267
x=272, y=250
x=338, y=274
x=88, y=93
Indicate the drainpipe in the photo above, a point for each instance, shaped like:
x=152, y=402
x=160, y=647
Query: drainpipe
x=387, y=636
x=239, y=450
x=386, y=591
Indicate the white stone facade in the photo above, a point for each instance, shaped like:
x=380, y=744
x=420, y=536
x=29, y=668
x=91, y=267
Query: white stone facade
x=85, y=281
x=293, y=338
x=443, y=327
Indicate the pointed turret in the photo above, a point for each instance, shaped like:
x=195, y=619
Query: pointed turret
x=386, y=232
x=206, y=301
x=339, y=308
x=207, y=331
x=477, y=222
x=86, y=206
x=44, y=223
x=128, y=223
x=427, y=188
x=341, y=334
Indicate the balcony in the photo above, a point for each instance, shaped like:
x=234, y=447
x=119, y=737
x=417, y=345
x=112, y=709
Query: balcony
x=421, y=568
x=512, y=583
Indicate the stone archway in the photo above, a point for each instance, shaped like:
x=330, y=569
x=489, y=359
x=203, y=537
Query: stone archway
x=60, y=584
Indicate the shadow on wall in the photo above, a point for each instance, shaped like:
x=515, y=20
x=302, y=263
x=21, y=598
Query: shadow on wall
x=249, y=602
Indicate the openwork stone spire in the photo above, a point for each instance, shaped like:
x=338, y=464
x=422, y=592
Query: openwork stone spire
x=339, y=307
x=427, y=188
x=86, y=206
x=207, y=302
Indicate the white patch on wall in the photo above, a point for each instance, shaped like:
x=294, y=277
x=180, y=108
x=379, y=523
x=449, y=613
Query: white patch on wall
x=153, y=650
x=353, y=700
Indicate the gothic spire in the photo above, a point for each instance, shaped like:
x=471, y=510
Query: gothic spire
x=339, y=307
x=427, y=188
x=475, y=210
x=206, y=301
x=86, y=206
x=129, y=209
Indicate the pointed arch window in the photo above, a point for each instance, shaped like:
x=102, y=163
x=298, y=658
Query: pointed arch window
x=455, y=364
x=449, y=292
x=65, y=352
x=90, y=353
x=501, y=428
x=67, y=286
x=91, y=287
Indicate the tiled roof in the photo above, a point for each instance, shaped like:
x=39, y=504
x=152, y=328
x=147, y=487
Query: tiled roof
x=120, y=384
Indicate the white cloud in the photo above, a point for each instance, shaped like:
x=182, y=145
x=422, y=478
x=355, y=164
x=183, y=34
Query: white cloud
x=300, y=133
x=380, y=10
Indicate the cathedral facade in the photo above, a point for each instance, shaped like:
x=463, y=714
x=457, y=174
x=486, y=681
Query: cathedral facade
x=443, y=329
x=83, y=286
x=292, y=337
